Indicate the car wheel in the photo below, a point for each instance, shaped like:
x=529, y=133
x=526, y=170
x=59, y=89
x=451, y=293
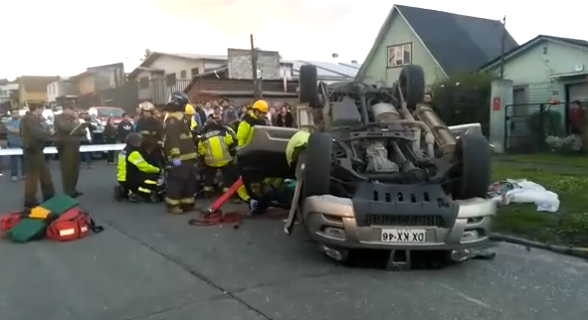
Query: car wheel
x=308, y=91
x=412, y=85
x=474, y=157
x=317, y=171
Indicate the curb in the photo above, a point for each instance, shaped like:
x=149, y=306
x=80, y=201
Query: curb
x=577, y=252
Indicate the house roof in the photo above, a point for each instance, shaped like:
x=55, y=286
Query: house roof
x=36, y=83
x=456, y=42
x=527, y=45
x=90, y=70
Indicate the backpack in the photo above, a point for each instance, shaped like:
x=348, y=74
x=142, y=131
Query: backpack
x=73, y=224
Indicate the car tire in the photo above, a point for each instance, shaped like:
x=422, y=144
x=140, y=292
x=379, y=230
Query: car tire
x=308, y=91
x=412, y=85
x=317, y=171
x=474, y=157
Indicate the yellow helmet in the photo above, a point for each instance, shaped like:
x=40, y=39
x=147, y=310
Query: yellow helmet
x=189, y=110
x=261, y=106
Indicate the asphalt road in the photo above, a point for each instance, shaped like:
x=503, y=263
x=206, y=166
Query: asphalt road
x=148, y=265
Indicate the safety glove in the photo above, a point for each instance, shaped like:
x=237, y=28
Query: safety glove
x=176, y=162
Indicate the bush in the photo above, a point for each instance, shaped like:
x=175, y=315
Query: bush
x=547, y=123
x=566, y=145
x=463, y=99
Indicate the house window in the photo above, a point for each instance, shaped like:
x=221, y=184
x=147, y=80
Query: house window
x=183, y=74
x=170, y=79
x=399, y=55
x=144, y=83
x=195, y=72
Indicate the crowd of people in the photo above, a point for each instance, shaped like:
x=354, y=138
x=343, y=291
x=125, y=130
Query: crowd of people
x=192, y=144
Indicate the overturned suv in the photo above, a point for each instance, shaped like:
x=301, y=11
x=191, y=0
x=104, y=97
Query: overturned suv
x=380, y=171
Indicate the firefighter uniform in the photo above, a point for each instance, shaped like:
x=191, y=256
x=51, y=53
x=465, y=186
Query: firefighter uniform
x=189, y=117
x=151, y=130
x=34, y=139
x=138, y=178
x=182, y=155
x=216, y=147
x=69, y=133
x=253, y=118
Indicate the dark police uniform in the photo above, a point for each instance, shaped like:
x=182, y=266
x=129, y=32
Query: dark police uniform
x=68, y=148
x=181, y=180
x=34, y=139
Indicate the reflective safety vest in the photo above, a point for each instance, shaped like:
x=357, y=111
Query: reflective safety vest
x=131, y=165
x=214, y=146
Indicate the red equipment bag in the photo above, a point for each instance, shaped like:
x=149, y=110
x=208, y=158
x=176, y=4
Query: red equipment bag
x=9, y=220
x=73, y=224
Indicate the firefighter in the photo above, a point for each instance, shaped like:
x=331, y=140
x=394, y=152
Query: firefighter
x=69, y=134
x=217, y=147
x=255, y=117
x=151, y=130
x=34, y=139
x=182, y=155
x=137, y=178
x=189, y=117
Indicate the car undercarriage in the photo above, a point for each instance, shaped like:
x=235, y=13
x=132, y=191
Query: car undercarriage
x=380, y=170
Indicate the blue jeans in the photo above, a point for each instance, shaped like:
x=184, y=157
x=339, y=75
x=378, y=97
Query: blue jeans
x=87, y=158
x=15, y=162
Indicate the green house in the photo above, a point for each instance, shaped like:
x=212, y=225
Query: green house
x=443, y=43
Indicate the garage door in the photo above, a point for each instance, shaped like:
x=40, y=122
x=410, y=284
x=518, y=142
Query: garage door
x=578, y=92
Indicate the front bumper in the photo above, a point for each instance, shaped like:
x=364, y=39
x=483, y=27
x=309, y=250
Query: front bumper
x=332, y=222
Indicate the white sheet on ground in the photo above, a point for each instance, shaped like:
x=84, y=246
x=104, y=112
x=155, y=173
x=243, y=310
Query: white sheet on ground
x=524, y=191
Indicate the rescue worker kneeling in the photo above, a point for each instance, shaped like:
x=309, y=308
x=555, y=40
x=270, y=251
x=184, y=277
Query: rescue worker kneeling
x=253, y=118
x=217, y=147
x=137, y=178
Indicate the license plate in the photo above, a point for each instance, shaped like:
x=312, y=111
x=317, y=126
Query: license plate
x=404, y=235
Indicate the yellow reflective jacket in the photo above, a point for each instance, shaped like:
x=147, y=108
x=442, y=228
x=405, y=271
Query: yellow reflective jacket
x=299, y=139
x=131, y=164
x=215, y=145
x=245, y=129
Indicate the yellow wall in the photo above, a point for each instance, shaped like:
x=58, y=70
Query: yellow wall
x=86, y=85
x=25, y=96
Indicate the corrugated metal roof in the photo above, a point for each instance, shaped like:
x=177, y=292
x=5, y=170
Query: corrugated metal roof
x=197, y=56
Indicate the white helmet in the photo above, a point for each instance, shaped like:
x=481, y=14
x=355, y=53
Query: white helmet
x=146, y=106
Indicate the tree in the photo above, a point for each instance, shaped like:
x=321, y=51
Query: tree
x=146, y=54
x=464, y=98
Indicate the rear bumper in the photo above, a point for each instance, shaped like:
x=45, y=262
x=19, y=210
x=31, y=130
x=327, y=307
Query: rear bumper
x=332, y=222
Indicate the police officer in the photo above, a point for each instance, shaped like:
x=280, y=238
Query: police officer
x=216, y=147
x=255, y=117
x=182, y=155
x=69, y=133
x=34, y=140
x=151, y=130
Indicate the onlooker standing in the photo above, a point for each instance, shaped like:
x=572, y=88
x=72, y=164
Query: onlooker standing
x=14, y=140
x=110, y=137
x=243, y=111
x=284, y=118
x=125, y=127
x=230, y=114
x=207, y=109
x=576, y=117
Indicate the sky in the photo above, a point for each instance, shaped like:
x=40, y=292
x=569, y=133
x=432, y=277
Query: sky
x=63, y=37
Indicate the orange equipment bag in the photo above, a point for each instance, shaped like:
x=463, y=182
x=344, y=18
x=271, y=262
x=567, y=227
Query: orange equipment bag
x=72, y=225
x=9, y=220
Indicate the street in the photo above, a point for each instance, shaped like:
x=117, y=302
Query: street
x=150, y=265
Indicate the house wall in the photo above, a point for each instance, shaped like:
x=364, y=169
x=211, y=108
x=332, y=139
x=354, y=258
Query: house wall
x=399, y=33
x=25, y=96
x=535, y=70
x=5, y=91
x=85, y=84
x=177, y=65
x=58, y=89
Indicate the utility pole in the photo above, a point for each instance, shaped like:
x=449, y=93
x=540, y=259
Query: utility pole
x=257, y=86
x=502, y=47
